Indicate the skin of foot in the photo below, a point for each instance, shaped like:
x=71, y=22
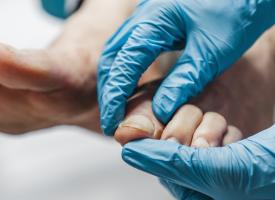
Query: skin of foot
x=57, y=85
x=189, y=126
x=243, y=97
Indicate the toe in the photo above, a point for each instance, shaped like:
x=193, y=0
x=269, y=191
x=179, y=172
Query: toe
x=183, y=124
x=232, y=135
x=140, y=121
x=210, y=132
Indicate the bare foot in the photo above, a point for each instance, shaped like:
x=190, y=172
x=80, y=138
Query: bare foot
x=189, y=126
x=43, y=88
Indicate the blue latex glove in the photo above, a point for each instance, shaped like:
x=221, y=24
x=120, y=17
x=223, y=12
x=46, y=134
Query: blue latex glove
x=214, y=34
x=241, y=171
x=183, y=193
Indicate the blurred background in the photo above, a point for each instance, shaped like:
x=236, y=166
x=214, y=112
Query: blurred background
x=62, y=163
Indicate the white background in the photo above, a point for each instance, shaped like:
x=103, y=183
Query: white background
x=63, y=163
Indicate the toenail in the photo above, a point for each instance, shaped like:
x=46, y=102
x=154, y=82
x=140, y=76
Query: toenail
x=139, y=122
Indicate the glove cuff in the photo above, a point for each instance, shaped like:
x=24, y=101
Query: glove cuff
x=61, y=8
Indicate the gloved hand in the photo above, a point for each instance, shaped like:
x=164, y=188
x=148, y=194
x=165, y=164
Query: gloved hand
x=241, y=171
x=183, y=193
x=214, y=34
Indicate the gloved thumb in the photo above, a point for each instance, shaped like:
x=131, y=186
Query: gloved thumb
x=182, y=193
x=192, y=168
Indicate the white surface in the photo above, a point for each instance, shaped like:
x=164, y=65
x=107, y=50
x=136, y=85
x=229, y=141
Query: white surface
x=64, y=162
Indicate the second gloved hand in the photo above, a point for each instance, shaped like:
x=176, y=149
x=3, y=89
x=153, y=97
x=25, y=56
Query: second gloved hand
x=241, y=171
x=214, y=34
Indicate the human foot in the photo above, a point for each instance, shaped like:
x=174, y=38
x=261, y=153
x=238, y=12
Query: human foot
x=189, y=126
x=243, y=95
x=43, y=88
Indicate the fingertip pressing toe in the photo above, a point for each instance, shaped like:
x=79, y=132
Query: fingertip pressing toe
x=159, y=112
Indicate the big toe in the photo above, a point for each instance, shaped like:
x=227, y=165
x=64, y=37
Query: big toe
x=140, y=121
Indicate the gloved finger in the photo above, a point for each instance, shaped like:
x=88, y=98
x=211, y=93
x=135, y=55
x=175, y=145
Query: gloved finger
x=113, y=46
x=210, y=132
x=146, y=36
x=182, y=193
x=185, y=166
x=232, y=135
x=139, y=18
x=141, y=49
x=185, y=80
